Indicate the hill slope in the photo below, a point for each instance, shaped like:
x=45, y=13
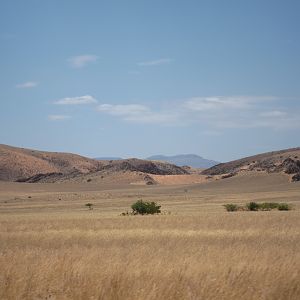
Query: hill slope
x=192, y=160
x=26, y=165
x=17, y=163
x=145, y=166
x=286, y=161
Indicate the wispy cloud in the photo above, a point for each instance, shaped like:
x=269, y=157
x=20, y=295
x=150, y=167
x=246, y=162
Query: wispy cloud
x=123, y=110
x=81, y=61
x=137, y=113
x=223, y=102
x=240, y=112
x=58, y=117
x=212, y=114
x=273, y=114
x=155, y=62
x=27, y=85
x=76, y=100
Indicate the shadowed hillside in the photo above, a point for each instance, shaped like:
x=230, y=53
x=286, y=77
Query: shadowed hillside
x=26, y=165
x=133, y=164
x=286, y=161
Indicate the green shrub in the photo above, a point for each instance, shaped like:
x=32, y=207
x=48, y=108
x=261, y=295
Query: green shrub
x=89, y=205
x=231, y=207
x=283, y=206
x=253, y=206
x=145, y=208
x=268, y=205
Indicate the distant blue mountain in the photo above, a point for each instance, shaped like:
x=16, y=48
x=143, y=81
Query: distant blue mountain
x=108, y=158
x=192, y=160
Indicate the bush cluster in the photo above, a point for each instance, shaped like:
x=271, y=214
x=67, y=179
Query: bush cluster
x=231, y=207
x=145, y=208
x=253, y=206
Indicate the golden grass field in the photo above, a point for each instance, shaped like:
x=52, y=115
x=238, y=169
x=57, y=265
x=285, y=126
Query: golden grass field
x=58, y=249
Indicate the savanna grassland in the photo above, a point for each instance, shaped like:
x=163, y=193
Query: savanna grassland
x=53, y=247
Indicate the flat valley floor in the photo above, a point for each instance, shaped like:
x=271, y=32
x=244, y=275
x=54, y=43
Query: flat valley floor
x=53, y=247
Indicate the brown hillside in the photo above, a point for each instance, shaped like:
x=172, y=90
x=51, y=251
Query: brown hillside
x=17, y=163
x=287, y=161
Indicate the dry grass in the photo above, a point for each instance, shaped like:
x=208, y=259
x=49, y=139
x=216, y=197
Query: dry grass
x=198, y=252
x=210, y=256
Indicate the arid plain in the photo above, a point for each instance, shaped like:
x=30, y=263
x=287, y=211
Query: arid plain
x=53, y=247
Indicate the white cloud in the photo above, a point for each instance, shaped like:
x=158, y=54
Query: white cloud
x=123, y=110
x=58, y=117
x=222, y=102
x=238, y=112
x=212, y=114
x=81, y=61
x=76, y=100
x=155, y=62
x=273, y=114
x=137, y=113
x=27, y=85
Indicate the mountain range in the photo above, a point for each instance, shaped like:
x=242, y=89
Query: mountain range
x=192, y=160
x=27, y=165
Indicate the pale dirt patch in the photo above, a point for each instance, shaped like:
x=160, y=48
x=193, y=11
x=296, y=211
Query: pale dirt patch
x=180, y=179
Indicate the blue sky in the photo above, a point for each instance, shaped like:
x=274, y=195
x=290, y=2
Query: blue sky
x=135, y=78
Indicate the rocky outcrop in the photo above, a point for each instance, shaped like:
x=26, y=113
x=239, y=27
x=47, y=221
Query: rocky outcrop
x=144, y=166
x=273, y=162
x=296, y=177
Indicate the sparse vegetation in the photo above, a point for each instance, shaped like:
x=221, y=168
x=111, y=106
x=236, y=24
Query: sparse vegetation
x=145, y=208
x=163, y=258
x=268, y=205
x=231, y=207
x=89, y=205
x=51, y=249
x=253, y=206
x=283, y=206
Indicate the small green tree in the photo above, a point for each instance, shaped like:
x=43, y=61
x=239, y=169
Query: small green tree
x=283, y=206
x=268, y=205
x=144, y=208
x=253, y=206
x=89, y=205
x=231, y=207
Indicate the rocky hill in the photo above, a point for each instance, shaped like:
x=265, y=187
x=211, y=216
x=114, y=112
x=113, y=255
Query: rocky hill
x=192, y=160
x=286, y=161
x=150, y=167
x=26, y=165
x=17, y=163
